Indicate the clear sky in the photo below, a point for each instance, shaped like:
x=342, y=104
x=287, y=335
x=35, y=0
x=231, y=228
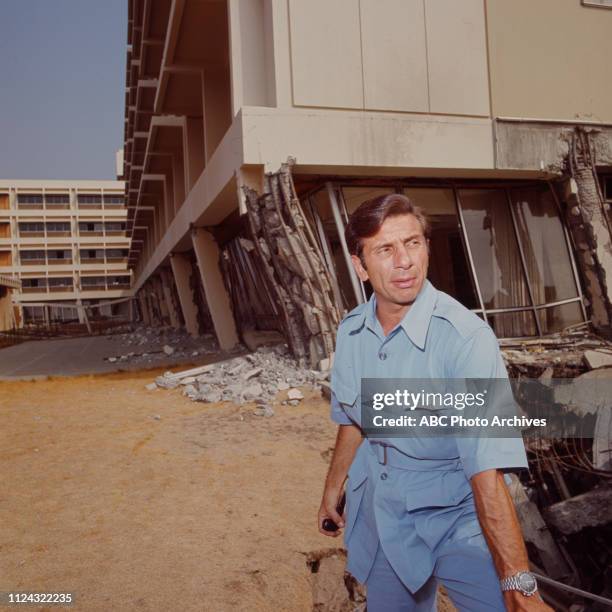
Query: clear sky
x=62, y=83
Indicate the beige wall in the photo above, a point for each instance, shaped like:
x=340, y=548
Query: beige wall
x=6, y=309
x=394, y=55
x=550, y=59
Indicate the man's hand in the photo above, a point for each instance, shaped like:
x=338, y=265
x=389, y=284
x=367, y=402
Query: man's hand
x=348, y=440
x=331, y=497
x=517, y=602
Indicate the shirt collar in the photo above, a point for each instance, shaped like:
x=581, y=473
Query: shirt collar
x=415, y=322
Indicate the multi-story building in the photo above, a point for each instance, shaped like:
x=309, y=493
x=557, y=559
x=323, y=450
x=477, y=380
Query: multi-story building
x=493, y=115
x=66, y=242
x=8, y=284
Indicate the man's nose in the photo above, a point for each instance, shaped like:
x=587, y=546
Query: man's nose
x=403, y=257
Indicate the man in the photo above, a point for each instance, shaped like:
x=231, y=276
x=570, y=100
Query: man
x=420, y=510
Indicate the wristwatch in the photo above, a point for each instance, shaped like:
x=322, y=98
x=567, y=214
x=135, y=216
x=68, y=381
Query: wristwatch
x=524, y=582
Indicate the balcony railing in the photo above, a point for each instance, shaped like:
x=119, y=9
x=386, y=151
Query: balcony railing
x=98, y=287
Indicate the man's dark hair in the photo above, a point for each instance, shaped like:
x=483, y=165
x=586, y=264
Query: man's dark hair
x=371, y=214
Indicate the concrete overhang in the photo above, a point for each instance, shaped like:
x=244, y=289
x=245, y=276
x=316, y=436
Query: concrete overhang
x=196, y=40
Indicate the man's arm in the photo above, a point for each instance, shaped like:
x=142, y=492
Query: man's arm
x=348, y=440
x=502, y=532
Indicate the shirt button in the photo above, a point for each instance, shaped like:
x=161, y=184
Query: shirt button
x=384, y=476
x=382, y=356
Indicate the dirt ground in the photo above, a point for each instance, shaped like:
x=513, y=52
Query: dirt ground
x=143, y=500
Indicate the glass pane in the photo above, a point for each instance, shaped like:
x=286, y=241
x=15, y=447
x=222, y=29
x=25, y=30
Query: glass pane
x=556, y=318
x=449, y=269
x=541, y=234
x=321, y=206
x=513, y=324
x=354, y=196
x=493, y=244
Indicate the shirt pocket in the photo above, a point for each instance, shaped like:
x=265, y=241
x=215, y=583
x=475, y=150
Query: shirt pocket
x=355, y=488
x=444, y=489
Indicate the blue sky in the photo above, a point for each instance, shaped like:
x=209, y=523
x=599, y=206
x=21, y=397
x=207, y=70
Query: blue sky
x=62, y=75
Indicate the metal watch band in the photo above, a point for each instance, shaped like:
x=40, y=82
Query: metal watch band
x=513, y=583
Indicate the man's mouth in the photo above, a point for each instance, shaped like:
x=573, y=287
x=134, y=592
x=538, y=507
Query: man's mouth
x=404, y=283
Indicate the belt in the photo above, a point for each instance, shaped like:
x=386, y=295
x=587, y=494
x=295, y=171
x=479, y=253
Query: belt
x=389, y=455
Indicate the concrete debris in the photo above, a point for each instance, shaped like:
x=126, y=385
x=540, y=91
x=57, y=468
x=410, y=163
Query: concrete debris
x=598, y=359
x=257, y=377
x=590, y=509
x=295, y=394
x=561, y=355
x=147, y=345
x=327, y=363
x=266, y=411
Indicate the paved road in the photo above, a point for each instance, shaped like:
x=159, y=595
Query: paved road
x=73, y=356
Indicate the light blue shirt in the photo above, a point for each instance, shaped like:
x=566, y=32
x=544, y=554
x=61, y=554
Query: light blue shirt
x=414, y=511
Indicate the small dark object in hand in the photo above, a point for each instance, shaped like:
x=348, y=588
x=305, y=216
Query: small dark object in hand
x=328, y=524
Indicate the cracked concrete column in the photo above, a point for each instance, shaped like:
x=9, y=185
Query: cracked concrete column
x=161, y=300
x=219, y=304
x=144, y=308
x=166, y=284
x=181, y=269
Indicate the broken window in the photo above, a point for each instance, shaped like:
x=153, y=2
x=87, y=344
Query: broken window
x=449, y=268
x=547, y=257
x=501, y=251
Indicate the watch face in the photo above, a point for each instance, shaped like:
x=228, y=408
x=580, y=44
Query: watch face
x=527, y=582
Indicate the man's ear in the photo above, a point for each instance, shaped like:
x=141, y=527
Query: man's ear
x=362, y=273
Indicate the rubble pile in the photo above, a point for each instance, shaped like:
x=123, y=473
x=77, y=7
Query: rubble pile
x=150, y=344
x=563, y=355
x=257, y=377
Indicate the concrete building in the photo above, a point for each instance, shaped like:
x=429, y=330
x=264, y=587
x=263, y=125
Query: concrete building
x=7, y=316
x=66, y=243
x=489, y=113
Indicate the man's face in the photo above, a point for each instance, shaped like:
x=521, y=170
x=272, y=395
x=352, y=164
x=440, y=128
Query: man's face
x=396, y=260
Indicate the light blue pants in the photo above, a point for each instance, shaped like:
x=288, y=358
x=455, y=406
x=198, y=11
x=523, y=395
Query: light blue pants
x=464, y=567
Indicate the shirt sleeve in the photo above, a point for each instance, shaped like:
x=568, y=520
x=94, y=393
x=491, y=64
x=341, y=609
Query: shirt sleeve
x=337, y=412
x=480, y=358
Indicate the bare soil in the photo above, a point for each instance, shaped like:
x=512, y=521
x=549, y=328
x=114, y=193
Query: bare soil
x=143, y=500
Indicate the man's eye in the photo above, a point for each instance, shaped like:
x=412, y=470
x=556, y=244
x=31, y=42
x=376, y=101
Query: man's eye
x=384, y=250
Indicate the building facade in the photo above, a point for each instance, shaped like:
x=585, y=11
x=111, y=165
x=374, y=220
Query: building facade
x=483, y=111
x=65, y=242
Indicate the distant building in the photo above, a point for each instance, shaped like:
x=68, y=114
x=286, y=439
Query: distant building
x=65, y=242
x=7, y=316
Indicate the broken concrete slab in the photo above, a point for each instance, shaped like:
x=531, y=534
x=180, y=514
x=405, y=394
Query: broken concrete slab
x=255, y=339
x=590, y=509
x=295, y=394
x=598, y=359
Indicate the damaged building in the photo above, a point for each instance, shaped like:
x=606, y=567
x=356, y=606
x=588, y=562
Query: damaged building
x=253, y=128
